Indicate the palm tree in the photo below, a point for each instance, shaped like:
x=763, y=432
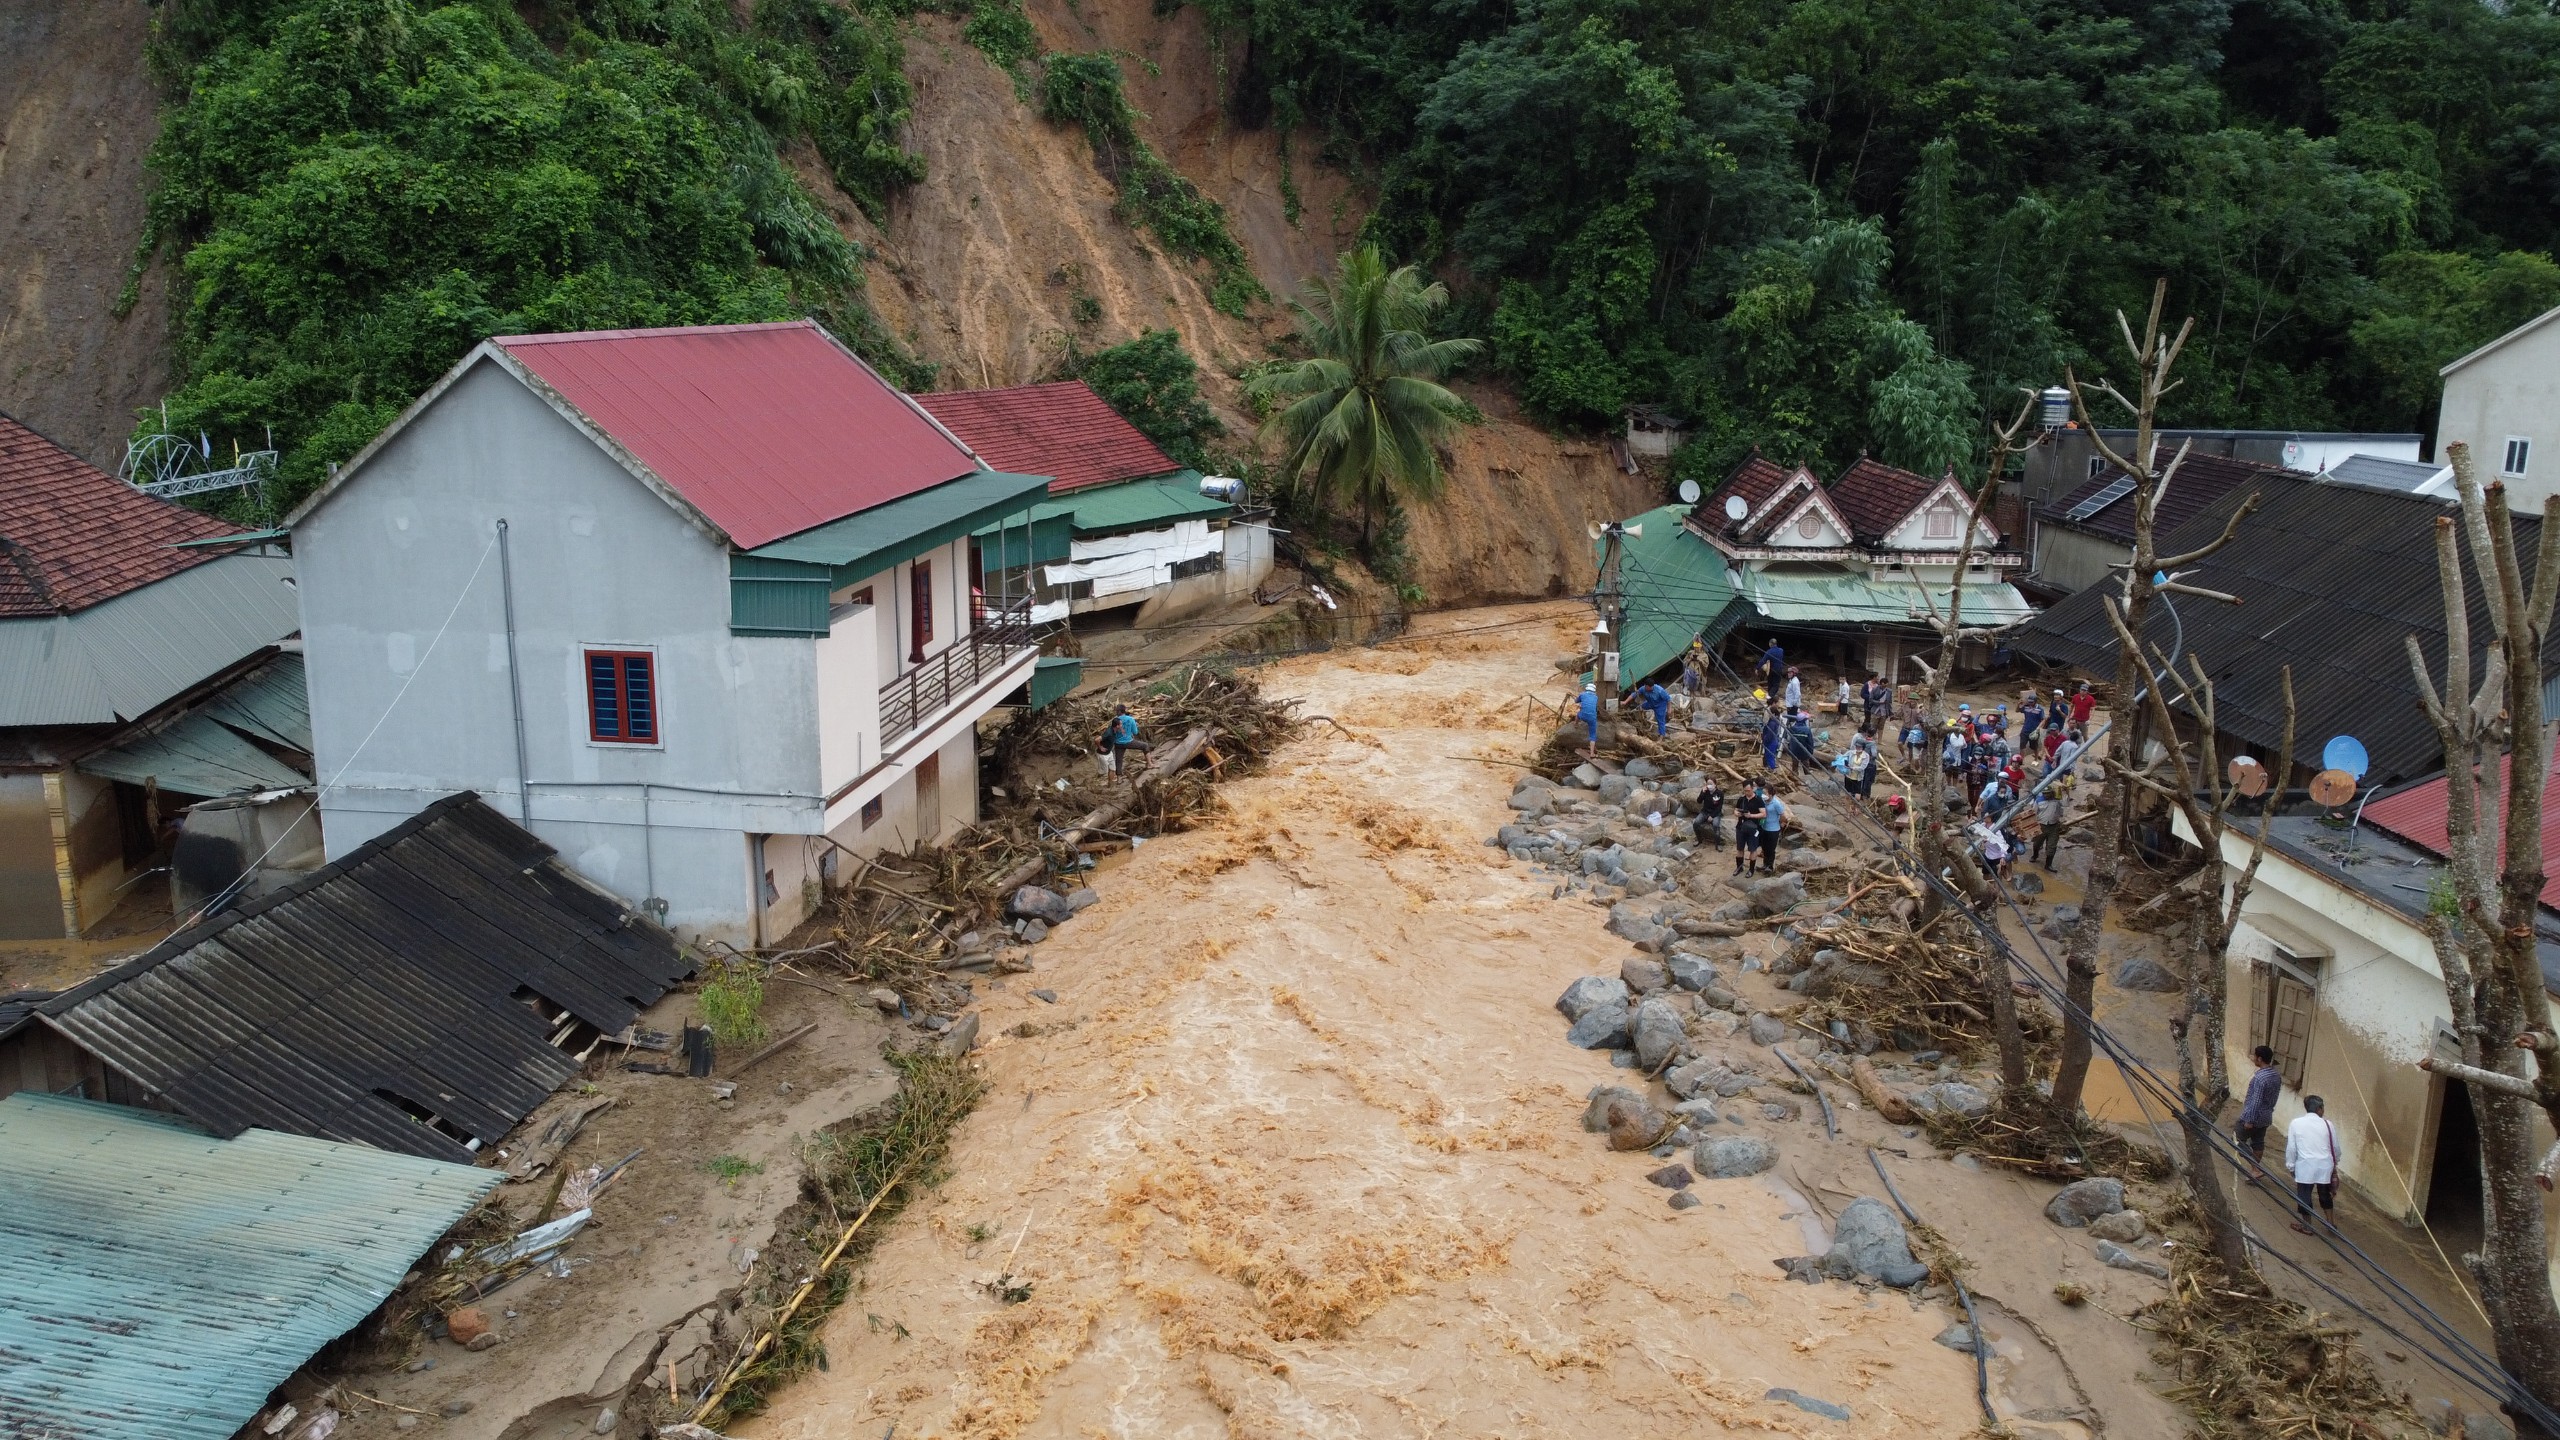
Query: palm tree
x=1360, y=416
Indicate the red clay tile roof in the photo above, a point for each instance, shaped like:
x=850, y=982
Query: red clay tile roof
x=2417, y=815
x=1755, y=480
x=1874, y=497
x=2201, y=480
x=72, y=535
x=1063, y=431
x=769, y=430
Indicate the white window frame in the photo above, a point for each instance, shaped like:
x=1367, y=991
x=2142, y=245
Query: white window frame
x=2518, y=455
x=1930, y=519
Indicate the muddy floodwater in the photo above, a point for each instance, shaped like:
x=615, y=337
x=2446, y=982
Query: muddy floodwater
x=1296, y=1151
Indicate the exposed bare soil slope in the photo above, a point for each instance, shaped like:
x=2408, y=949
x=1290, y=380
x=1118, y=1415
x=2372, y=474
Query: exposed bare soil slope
x=1297, y=1149
x=76, y=115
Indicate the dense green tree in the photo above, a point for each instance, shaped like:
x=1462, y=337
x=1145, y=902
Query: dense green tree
x=1155, y=385
x=1359, y=418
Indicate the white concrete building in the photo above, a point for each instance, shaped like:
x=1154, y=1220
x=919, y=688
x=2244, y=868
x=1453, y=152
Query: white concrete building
x=695, y=606
x=2329, y=967
x=2503, y=400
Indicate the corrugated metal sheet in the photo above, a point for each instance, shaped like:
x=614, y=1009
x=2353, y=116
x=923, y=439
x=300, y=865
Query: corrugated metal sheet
x=1675, y=586
x=160, y=1282
x=1142, y=504
x=2332, y=578
x=2417, y=814
x=382, y=985
x=1062, y=430
x=1033, y=539
x=767, y=429
x=777, y=597
x=121, y=659
x=270, y=703
x=195, y=756
x=872, y=541
x=2202, y=482
x=1054, y=678
x=1837, y=598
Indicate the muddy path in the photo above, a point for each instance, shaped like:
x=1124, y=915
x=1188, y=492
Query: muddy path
x=1296, y=1150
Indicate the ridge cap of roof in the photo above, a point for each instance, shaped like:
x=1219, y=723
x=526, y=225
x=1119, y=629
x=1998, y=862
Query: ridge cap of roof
x=564, y=337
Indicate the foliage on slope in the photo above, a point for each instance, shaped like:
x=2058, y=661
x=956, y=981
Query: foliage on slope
x=1823, y=226
x=359, y=190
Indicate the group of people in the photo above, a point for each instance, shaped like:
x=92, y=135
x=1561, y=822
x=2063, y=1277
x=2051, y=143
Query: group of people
x=2310, y=1142
x=1758, y=819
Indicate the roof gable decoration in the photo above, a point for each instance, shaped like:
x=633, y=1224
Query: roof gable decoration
x=1937, y=522
x=1793, y=483
x=1801, y=517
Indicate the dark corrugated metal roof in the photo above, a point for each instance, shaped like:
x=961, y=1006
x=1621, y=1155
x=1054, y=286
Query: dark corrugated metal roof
x=2332, y=579
x=2201, y=482
x=383, y=983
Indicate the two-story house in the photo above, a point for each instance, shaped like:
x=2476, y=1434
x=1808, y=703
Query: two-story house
x=1855, y=570
x=2503, y=400
x=695, y=606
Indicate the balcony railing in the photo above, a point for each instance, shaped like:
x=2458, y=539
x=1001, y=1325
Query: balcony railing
x=1000, y=638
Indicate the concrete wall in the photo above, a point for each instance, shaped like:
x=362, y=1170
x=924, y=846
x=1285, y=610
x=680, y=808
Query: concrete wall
x=30, y=892
x=1244, y=562
x=403, y=714
x=2513, y=390
x=2375, y=1011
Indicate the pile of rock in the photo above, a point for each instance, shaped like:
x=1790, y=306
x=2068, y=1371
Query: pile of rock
x=2123, y=1235
x=1033, y=911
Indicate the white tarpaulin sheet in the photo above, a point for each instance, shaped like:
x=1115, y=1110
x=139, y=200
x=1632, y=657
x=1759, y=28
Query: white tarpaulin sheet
x=1120, y=564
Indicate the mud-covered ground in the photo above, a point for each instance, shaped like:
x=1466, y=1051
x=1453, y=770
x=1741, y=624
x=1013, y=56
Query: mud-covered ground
x=1297, y=1151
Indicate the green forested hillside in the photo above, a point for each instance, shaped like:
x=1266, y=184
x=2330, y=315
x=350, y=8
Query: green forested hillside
x=1827, y=225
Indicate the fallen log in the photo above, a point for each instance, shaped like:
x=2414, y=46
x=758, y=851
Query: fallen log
x=1871, y=1088
x=1173, y=758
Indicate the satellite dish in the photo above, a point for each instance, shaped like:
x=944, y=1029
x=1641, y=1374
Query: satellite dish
x=1736, y=508
x=2333, y=787
x=2346, y=753
x=1688, y=492
x=2248, y=776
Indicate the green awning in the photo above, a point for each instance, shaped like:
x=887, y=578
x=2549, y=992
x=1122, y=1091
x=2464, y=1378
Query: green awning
x=197, y=756
x=870, y=541
x=782, y=588
x=1676, y=586
x=1138, y=504
x=1046, y=539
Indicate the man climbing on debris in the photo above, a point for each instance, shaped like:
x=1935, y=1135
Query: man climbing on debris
x=2311, y=1153
x=1589, y=709
x=2258, y=1108
x=1773, y=663
x=1119, y=738
x=1773, y=733
x=1746, y=826
x=1657, y=702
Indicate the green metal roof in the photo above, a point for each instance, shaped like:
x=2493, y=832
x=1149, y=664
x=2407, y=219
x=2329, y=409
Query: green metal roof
x=781, y=588
x=271, y=703
x=1832, y=597
x=1054, y=678
x=870, y=541
x=1675, y=585
x=1044, y=537
x=160, y=1282
x=196, y=756
x=1137, y=504
x=122, y=658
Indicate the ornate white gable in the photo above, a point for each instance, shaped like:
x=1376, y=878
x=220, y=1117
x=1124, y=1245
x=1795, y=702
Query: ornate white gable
x=1937, y=523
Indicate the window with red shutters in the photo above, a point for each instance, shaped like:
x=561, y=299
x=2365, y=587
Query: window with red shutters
x=622, y=697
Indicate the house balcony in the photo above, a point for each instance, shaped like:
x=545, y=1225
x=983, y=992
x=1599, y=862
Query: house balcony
x=1000, y=641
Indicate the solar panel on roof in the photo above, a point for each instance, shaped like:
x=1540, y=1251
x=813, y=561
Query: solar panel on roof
x=2116, y=490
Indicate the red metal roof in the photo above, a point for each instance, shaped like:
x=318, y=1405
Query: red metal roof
x=767, y=429
x=72, y=535
x=2417, y=815
x=1063, y=431
x=1874, y=497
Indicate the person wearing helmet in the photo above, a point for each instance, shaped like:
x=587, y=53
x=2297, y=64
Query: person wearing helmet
x=1590, y=712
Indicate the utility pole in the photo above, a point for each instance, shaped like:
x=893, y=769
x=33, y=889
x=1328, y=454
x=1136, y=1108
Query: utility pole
x=1612, y=617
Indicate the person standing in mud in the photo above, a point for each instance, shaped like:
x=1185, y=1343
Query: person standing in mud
x=2258, y=1109
x=1773, y=663
x=1773, y=818
x=1800, y=755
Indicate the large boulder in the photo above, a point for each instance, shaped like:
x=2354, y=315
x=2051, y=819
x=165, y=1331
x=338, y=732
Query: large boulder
x=1870, y=1240
x=1686, y=970
x=1590, y=992
x=1641, y=768
x=1731, y=1157
x=1629, y=1120
x=1603, y=1027
x=1715, y=1025
x=2116, y=1256
x=1032, y=902
x=1643, y=973
x=1696, y=1078
x=1657, y=1032
x=2082, y=1201
x=1595, y=1113
x=1614, y=789
x=1773, y=894
x=1767, y=1029
x=2124, y=1226
x=2141, y=972
x=1637, y=927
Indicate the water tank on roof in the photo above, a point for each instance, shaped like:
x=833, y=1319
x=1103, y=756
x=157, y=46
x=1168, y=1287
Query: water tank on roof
x=2053, y=408
x=1220, y=487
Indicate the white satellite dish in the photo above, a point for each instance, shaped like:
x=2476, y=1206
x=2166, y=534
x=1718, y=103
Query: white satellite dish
x=1736, y=508
x=1688, y=492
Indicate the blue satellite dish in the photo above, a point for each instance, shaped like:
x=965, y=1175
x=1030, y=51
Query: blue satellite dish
x=2346, y=753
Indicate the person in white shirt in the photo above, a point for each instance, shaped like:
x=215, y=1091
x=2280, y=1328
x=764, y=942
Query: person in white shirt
x=2311, y=1153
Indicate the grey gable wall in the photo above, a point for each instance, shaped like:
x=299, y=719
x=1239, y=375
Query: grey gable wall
x=598, y=561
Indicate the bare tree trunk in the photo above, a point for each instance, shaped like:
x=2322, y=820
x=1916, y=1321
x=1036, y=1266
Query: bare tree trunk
x=2484, y=941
